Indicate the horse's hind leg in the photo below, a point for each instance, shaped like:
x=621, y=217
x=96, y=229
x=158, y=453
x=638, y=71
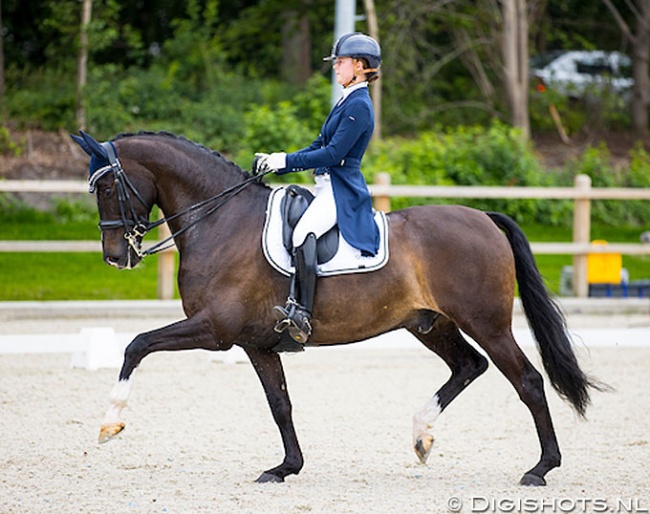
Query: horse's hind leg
x=527, y=381
x=465, y=364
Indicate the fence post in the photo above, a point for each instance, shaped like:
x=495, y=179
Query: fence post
x=581, y=234
x=382, y=202
x=166, y=267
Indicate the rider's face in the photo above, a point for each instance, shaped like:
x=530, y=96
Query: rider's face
x=346, y=68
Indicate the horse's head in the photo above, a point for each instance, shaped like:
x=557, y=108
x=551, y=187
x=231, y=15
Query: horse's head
x=124, y=201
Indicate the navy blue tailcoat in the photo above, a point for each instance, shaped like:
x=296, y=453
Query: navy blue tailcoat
x=338, y=150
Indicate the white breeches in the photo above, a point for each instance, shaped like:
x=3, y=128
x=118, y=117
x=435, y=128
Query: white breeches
x=320, y=216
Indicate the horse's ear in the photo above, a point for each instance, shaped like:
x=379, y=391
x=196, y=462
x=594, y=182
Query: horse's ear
x=94, y=147
x=80, y=141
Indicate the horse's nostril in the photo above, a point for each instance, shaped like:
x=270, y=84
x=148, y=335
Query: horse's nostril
x=113, y=261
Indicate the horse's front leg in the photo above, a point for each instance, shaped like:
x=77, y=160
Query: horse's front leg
x=268, y=366
x=189, y=334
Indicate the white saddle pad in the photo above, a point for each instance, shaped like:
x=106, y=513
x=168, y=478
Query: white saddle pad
x=347, y=259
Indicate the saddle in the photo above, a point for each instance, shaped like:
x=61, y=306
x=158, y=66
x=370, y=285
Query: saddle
x=335, y=256
x=293, y=206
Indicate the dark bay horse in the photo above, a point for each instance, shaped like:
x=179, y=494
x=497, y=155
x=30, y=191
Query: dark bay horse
x=451, y=268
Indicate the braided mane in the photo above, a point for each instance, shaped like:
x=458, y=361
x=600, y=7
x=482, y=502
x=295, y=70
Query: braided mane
x=189, y=142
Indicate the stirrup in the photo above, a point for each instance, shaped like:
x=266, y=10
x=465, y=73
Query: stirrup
x=301, y=333
x=295, y=318
x=282, y=317
x=300, y=324
x=282, y=325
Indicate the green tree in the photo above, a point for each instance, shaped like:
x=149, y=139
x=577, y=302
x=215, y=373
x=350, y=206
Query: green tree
x=281, y=39
x=194, y=53
x=639, y=38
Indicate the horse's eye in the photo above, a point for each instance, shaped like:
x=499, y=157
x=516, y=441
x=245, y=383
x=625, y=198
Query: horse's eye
x=107, y=191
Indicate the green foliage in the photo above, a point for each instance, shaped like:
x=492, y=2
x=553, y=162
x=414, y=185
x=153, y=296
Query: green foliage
x=154, y=100
x=74, y=215
x=43, y=98
x=467, y=156
x=59, y=24
x=313, y=103
x=596, y=163
x=66, y=211
x=497, y=155
x=274, y=128
x=234, y=115
x=598, y=108
x=105, y=28
x=286, y=125
x=639, y=172
x=7, y=144
x=194, y=53
x=193, y=68
x=442, y=63
x=9, y=205
x=539, y=105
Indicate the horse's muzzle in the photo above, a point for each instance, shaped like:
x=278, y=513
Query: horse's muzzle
x=127, y=260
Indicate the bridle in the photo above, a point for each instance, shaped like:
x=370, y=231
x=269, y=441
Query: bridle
x=135, y=226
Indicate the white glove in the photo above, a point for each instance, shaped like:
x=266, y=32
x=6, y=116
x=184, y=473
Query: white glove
x=276, y=161
x=259, y=163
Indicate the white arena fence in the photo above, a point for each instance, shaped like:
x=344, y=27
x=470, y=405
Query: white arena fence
x=96, y=344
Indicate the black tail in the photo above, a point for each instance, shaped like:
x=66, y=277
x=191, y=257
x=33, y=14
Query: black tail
x=546, y=321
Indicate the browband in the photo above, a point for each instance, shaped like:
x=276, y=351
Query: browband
x=113, y=165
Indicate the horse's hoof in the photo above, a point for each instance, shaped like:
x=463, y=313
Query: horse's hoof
x=423, y=447
x=266, y=478
x=107, y=432
x=532, y=480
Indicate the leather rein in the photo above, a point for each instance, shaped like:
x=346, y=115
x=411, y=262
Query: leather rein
x=135, y=226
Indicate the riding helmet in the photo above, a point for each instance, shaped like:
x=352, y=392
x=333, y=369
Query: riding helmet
x=357, y=45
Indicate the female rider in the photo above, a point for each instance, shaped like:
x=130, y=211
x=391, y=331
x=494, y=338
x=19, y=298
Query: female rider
x=341, y=193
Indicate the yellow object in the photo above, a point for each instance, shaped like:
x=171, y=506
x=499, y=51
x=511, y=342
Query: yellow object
x=604, y=268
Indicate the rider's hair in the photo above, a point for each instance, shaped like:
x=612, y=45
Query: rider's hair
x=372, y=74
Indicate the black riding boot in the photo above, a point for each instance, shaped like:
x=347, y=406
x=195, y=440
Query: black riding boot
x=295, y=316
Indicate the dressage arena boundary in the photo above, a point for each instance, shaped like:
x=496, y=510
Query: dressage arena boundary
x=97, y=344
x=582, y=194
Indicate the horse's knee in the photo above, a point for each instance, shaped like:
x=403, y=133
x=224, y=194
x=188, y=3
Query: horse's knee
x=137, y=348
x=133, y=355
